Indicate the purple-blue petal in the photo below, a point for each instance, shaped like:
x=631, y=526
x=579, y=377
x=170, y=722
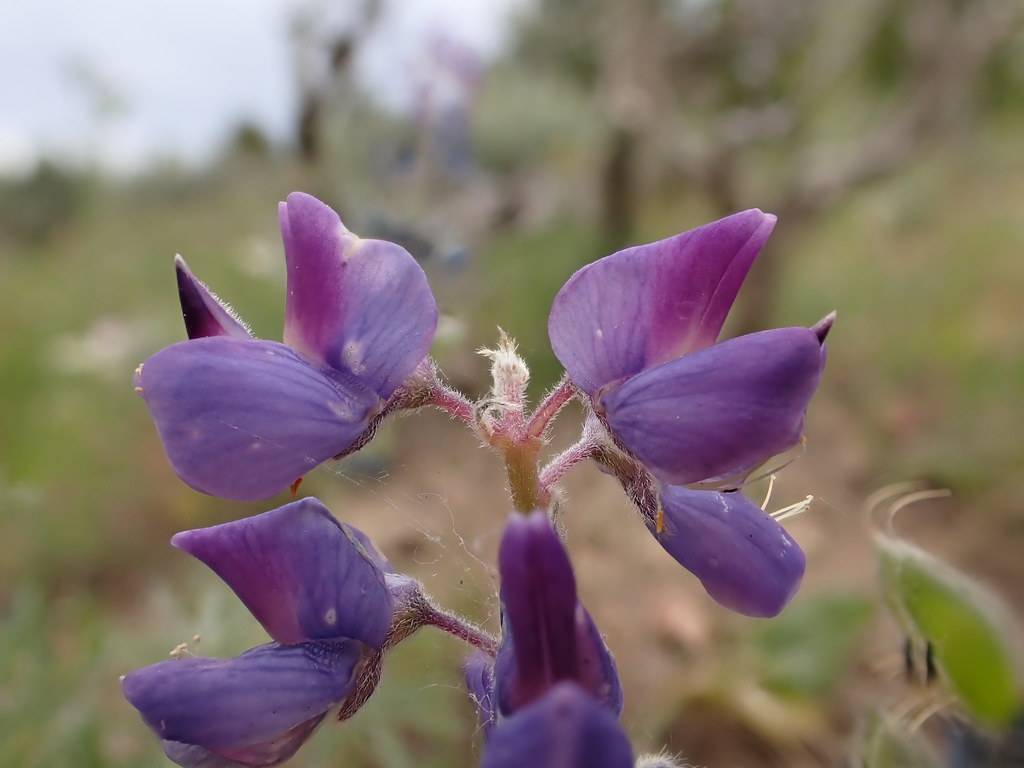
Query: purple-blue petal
x=301, y=573
x=720, y=411
x=360, y=306
x=262, y=704
x=191, y=756
x=745, y=560
x=262, y=754
x=479, y=674
x=244, y=419
x=598, y=673
x=652, y=303
x=548, y=635
x=538, y=593
x=204, y=313
x=565, y=728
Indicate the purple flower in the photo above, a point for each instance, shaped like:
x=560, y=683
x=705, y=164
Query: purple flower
x=744, y=558
x=548, y=635
x=636, y=332
x=324, y=600
x=565, y=728
x=244, y=418
x=479, y=674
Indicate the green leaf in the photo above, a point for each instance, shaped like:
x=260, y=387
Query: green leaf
x=971, y=631
x=807, y=649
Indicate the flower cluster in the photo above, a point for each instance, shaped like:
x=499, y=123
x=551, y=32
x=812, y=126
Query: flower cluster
x=679, y=419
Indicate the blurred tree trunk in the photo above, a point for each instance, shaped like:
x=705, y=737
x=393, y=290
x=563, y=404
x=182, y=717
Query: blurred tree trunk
x=322, y=57
x=633, y=87
x=618, y=189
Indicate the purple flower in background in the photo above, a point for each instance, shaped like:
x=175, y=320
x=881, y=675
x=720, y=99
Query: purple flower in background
x=565, y=728
x=636, y=332
x=323, y=598
x=244, y=418
x=548, y=636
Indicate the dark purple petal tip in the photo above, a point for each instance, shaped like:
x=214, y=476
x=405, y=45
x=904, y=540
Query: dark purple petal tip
x=745, y=560
x=301, y=573
x=538, y=592
x=565, y=728
x=355, y=305
x=549, y=636
x=822, y=327
x=721, y=411
x=652, y=303
x=255, y=709
x=243, y=419
x=204, y=313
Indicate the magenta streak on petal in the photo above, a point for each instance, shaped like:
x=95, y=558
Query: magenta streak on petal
x=652, y=303
x=359, y=306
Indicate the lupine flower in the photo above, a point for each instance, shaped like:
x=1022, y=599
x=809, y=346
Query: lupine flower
x=548, y=636
x=322, y=596
x=636, y=332
x=565, y=728
x=552, y=696
x=244, y=418
x=744, y=558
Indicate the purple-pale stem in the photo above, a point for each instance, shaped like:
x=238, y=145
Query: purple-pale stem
x=454, y=403
x=557, y=468
x=549, y=407
x=463, y=629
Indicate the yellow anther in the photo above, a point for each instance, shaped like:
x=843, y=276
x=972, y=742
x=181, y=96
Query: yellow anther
x=659, y=521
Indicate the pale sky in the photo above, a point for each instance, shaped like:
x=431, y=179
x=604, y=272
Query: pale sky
x=188, y=70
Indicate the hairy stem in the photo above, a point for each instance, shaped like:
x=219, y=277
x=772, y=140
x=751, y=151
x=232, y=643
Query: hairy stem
x=462, y=628
x=638, y=484
x=550, y=406
x=454, y=403
x=559, y=466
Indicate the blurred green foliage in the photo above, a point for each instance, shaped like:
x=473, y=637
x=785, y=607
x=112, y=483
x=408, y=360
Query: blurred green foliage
x=807, y=650
x=885, y=744
x=973, y=635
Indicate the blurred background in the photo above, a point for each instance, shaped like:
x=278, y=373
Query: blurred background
x=506, y=143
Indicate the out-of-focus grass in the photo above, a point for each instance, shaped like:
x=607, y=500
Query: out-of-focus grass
x=927, y=355
x=60, y=660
